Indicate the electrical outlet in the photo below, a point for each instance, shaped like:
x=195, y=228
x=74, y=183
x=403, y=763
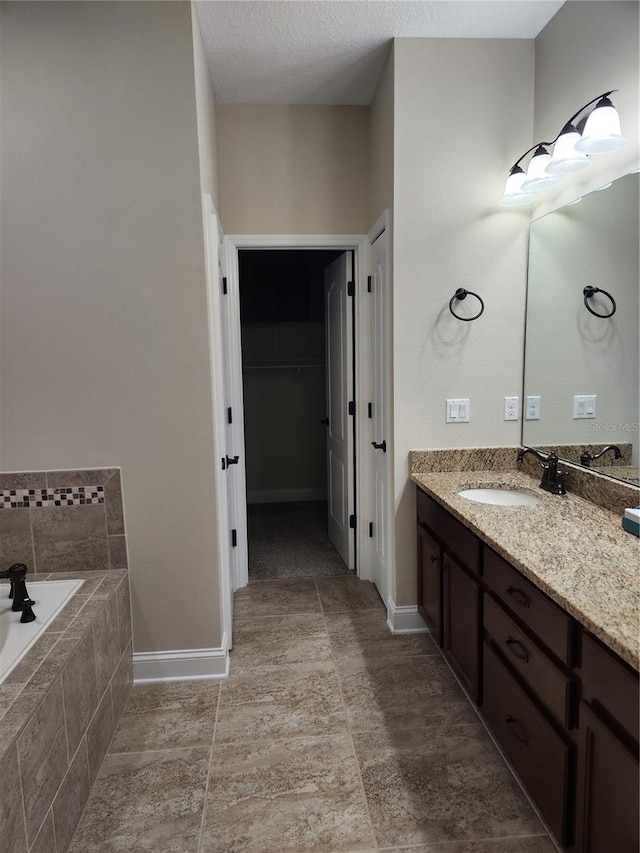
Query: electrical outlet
x=532, y=411
x=458, y=411
x=511, y=408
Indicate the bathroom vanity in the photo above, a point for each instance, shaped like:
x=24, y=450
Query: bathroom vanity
x=535, y=608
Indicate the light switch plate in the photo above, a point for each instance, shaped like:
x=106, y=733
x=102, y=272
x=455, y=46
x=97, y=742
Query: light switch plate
x=532, y=410
x=584, y=406
x=458, y=411
x=511, y=408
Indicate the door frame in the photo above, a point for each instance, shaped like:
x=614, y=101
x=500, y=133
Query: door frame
x=359, y=245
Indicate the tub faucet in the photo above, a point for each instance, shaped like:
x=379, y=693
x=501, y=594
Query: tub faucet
x=552, y=479
x=587, y=458
x=17, y=574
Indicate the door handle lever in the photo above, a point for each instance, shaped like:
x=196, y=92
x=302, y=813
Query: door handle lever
x=382, y=446
x=233, y=461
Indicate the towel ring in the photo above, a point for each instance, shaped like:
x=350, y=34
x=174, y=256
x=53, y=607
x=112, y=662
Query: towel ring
x=461, y=293
x=589, y=291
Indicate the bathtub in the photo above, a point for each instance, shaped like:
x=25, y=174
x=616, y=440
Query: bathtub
x=16, y=638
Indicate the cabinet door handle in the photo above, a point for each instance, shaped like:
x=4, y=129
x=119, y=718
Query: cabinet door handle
x=520, y=598
x=514, y=645
x=435, y=558
x=514, y=725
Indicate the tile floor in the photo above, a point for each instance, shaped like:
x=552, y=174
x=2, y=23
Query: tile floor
x=329, y=735
x=290, y=540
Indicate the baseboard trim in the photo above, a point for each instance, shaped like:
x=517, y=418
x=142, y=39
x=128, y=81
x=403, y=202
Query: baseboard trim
x=281, y=496
x=405, y=619
x=184, y=665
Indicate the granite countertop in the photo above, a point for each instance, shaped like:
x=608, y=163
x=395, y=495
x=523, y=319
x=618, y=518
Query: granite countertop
x=570, y=548
x=624, y=472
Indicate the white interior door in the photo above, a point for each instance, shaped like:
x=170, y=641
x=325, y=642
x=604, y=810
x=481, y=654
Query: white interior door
x=233, y=407
x=216, y=359
x=340, y=443
x=379, y=446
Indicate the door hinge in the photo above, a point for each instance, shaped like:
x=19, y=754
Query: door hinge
x=371, y=530
x=353, y=522
x=369, y=284
x=352, y=407
x=369, y=410
x=229, y=415
x=234, y=538
x=351, y=288
x=224, y=285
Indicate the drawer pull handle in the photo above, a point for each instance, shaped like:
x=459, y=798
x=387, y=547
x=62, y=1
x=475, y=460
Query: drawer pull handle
x=514, y=725
x=514, y=646
x=519, y=597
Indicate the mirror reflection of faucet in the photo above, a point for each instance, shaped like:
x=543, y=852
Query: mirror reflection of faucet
x=16, y=575
x=552, y=479
x=587, y=458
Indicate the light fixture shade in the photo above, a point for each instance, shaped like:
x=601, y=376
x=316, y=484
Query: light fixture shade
x=537, y=177
x=602, y=133
x=565, y=157
x=513, y=193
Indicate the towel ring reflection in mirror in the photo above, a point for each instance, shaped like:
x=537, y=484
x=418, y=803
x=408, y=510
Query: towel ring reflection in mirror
x=589, y=291
x=461, y=294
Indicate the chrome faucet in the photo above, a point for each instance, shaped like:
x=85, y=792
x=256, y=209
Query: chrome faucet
x=587, y=458
x=552, y=479
x=17, y=574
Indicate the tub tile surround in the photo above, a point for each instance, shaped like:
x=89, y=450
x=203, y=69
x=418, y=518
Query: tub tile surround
x=63, y=521
x=568, y=545
x=58, y=711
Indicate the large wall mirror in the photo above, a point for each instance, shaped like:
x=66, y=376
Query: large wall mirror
x=583, y=368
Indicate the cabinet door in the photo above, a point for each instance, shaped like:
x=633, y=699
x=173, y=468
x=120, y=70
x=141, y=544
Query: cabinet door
x=608, y=790
x=462, y=621
x=430, y=582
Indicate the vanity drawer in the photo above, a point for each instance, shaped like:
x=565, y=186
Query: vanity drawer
x=547, y=621
x=537, y=752
x=549, y=683
x=455, y=537
x=609, y=681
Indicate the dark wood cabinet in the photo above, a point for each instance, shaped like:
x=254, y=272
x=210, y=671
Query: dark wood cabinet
x=538, y=751
x=563, y=706
x=449, y=590
x=430, y=582
x=608, y=791
x=463, y=624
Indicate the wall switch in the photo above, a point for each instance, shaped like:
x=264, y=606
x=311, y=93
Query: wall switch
x=532, y=410
x=511, y=408
x=584, y=406
x=458, y=411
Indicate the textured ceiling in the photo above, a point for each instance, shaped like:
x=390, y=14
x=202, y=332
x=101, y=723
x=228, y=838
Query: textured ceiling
x=332, y=51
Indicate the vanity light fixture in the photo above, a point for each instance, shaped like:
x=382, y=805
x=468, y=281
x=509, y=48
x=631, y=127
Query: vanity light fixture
x=600, y=134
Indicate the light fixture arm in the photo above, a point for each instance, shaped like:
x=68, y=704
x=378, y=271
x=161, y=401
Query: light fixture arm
x=569, y=121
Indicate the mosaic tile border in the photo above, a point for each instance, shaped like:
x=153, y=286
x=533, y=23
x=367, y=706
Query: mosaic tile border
x=64, y=496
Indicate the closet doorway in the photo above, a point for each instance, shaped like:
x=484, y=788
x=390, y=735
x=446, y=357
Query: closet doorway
x=297, y=324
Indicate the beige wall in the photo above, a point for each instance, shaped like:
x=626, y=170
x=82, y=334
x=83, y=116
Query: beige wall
x=206, y=112
x=381, y=132
x=103, y=335
x=461, y=107
x=288, y=169
x=586, y=49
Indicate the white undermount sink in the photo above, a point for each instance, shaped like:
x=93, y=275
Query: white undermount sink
x=499, y=497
